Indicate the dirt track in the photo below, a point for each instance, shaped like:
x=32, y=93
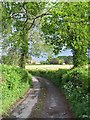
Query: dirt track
x=51, y=103
x=44, y=100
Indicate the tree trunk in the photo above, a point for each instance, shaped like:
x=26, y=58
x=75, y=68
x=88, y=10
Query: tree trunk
x=79, y=57
x=24, y=49
x=22, y=61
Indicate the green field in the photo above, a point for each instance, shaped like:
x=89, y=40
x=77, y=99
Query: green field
x=48, y=67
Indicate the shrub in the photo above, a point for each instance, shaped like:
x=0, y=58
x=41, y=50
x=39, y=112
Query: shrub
x=75, y=85
x=78, y=76
x=15, y=82
x=54, y=61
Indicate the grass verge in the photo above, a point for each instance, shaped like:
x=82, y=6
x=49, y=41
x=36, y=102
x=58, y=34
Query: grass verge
x=15, y=82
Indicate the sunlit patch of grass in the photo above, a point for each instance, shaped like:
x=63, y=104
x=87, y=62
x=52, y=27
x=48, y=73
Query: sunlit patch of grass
x=48, y=67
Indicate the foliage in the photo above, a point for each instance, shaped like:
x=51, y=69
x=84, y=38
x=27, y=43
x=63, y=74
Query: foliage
x=15, y=82
x=88, y=60
x=78, y=76
x=60, y=60
x=21, y=27
x=50, y=74
x=68, y=26
x=74, y=82
x=10, y=59
x=22, y=23
x=66, y=59
x=37, y=46
x=54, y=61
x=43, y=62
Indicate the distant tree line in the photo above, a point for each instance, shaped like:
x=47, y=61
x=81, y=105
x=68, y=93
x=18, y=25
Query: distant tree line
x=59, y=60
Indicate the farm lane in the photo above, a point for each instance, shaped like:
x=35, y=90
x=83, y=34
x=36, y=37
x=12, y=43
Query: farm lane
x=54, y=103
x=44, y=100
x=23, y=108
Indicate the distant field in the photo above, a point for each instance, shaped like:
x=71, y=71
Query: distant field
x=48, y=67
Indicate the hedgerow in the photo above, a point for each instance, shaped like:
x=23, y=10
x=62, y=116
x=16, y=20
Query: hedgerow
x=74, y=83
x=15, y=82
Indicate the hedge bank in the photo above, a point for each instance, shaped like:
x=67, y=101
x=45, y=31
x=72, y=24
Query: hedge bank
x=15, y=82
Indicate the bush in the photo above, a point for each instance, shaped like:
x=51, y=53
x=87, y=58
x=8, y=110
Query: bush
x=78, y=76
x=44, y=62
x=54, y=61
x=15, y=82
x=75, y=85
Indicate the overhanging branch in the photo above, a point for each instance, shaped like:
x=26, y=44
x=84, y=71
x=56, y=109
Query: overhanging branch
x=39, y=16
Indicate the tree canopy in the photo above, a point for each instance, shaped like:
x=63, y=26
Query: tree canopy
x=19, y=21
x=68, y=25
x=24, y=31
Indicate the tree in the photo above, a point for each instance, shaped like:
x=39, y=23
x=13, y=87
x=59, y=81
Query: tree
x=37, y=46
x=66, y=59
x=54, y=61
x=18, y=19
x=68, y=26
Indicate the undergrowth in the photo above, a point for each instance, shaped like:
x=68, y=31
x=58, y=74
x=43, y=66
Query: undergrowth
x=15, y=82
